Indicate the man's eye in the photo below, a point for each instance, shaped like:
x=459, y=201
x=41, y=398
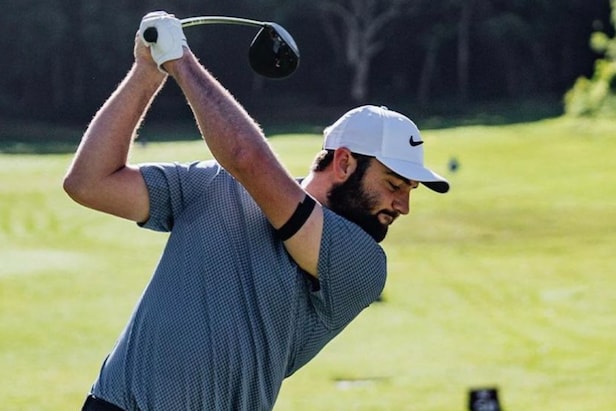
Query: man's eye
x=394, y=187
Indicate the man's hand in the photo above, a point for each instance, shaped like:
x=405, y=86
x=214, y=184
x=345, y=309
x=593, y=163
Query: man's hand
x=143, y=58
x=170, y=40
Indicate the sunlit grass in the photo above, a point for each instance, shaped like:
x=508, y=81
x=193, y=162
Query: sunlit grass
x=505, y=281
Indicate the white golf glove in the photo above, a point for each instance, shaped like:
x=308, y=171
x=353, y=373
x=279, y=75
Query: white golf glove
x=170, y=39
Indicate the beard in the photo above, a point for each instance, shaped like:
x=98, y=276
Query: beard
x=351, y=201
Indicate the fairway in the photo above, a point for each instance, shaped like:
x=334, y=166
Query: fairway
x=506, y=281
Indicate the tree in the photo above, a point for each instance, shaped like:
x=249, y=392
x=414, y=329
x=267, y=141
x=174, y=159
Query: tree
x=432, y=42
x=597, y=96
x=357, y=29
x=464, y=36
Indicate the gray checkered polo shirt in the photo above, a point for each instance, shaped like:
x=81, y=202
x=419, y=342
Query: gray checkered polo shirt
x=227, y=314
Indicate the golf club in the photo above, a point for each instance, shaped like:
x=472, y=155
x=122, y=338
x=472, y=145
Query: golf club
x=273, y=53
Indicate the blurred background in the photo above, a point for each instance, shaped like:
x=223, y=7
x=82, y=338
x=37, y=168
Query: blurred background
x=438, y=60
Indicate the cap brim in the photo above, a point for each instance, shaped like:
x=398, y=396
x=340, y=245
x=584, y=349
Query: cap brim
x=418, y=173
x=438, y=186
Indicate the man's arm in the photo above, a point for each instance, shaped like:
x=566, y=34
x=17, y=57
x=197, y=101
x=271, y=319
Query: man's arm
x=99, y=176
x=239, y=145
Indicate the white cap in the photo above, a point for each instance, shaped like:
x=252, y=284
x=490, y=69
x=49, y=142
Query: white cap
x=390, y=137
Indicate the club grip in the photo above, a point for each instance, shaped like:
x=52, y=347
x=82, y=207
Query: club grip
x=150, y=34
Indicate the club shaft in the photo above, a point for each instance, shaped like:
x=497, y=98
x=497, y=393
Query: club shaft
x=151, y=34
x=194, y=21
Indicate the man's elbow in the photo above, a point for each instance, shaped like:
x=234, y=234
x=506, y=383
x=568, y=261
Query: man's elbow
x=76, y=187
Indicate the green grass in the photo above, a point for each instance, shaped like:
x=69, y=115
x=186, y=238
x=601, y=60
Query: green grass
x=506, y=281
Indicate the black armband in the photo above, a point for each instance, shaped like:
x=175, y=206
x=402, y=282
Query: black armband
x=297, y=220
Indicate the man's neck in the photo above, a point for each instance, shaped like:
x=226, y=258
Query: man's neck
x=317, y=186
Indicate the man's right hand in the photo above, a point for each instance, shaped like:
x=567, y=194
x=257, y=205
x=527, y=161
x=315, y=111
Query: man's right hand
x=170, y=40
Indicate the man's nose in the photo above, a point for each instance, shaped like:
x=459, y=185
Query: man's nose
x=402, y=202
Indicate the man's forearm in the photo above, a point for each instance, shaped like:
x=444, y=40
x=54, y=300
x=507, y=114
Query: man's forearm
x=229, y=132
x=106, y=143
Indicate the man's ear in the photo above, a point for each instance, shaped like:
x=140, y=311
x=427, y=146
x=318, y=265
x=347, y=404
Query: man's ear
x=344, y=164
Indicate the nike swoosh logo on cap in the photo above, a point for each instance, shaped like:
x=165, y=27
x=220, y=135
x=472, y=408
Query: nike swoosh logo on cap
x=414, y=143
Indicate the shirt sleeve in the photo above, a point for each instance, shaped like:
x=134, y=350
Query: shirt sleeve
x=172, y=186
x=352, y=271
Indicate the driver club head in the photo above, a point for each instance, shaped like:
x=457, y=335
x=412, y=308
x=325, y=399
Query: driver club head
x=273, y=53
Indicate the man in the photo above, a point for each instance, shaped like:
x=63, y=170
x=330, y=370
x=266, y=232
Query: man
x=260, y=271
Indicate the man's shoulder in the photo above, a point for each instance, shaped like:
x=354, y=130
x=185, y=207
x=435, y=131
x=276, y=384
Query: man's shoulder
x=344, y=243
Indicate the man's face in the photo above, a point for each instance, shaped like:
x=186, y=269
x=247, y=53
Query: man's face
x=372, y=198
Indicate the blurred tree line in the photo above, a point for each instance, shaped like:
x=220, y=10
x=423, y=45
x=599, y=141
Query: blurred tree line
x=61, y=59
